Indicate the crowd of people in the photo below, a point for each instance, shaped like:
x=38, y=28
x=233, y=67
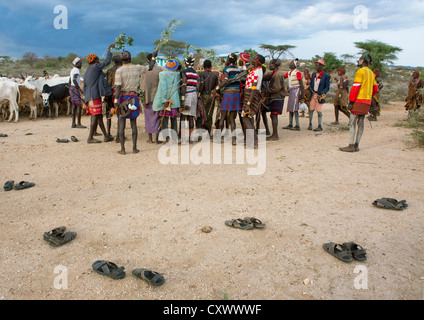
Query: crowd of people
x=245, y=89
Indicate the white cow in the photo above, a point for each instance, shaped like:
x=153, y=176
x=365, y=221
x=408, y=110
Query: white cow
x=9, y=92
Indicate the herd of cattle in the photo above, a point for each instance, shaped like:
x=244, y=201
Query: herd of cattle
x=40, y=96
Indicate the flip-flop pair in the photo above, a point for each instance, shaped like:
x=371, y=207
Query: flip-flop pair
x=346, y=252
x=59, y=236
x=112, y=271
x=9, y=185
x=247, y=223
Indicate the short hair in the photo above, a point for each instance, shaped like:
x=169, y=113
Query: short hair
x=342, y=70
x=232, y=58
x=207, y=64
x=276, y=62
x=149, y=57
x=259, y=58
x=116, y=59
x=367, y=58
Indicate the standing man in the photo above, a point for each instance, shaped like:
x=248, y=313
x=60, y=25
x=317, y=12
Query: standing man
x=167, y=99
x=127, y=82
x=320, y=85
x=110, y=76
x=251, y=102
x=363, y=89
x=414, y=98
x=341, y=100
x=149, y=85
x=75, y=92
x=189, y=79
x=231, y=101
x=96, y=87
x=208, y=80
x=277, y=93
x=296, y=90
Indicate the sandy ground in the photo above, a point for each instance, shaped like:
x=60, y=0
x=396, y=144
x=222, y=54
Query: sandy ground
x=136, y=212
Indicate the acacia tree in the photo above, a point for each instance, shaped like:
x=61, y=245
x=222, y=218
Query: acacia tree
x=172, y=48
x=30, y=58
x=381, y=53
x=275, y=52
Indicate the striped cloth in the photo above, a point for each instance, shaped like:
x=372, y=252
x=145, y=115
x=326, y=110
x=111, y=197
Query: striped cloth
x=231, y=100
x=293, y=103
x=128, y=95
x=254, y=106
x=94, y=107
x=151, y=119
x=75, y=96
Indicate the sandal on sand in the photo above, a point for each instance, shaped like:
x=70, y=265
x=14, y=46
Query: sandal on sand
x=338, y=251
x=256, y=222
x=24, y=185
x=58, y=236
x=151, y=277
x=357, y=251
x=62, y=140
x=109, y=269
x=9, y=185
x=239, y=224
x=3, y=135
x=74, y=139
x=390, y=203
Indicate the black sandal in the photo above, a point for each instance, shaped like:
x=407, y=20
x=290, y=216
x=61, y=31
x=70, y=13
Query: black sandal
x=62, y=140
x=58, y=236
x=357, y=251
x=24, y=185
x=109, y=269
x=338, y=251
x=239, y=224
x=9, y=185
x=256, y=222
x=390, y=203
x=151, y=277
x=74, y=139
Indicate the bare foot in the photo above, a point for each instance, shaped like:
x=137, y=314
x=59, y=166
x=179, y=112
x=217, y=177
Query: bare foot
x=136, y=151
x=122, y=152
x=272, y=138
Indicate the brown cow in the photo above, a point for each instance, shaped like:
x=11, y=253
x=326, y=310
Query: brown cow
x=27, y=96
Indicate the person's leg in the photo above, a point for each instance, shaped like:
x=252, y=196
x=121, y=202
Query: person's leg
x=103, y=128
x=296, y=118
x=232, y=120
x=191, y=121
x=336, y=114
x=134, y=129
x=74, y=111
x=352, y=133
x=122, y=124
x=265, y=121
x=319, y=128
x=311, y=116
x=93, y=126
x=274, y=122
x=361, y=128
x=222, y=121
x=290, y=121
x=250, y=131
x=174, y=125
x=79, y=111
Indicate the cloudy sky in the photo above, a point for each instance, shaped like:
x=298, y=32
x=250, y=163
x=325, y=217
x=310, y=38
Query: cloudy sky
x=314, y=27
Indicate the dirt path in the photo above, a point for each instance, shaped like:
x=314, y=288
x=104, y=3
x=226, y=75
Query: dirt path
x=136, y=212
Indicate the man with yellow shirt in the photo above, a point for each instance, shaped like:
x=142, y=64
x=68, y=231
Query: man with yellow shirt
x=363, y=89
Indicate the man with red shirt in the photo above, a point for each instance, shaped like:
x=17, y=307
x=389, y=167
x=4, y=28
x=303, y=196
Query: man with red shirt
x=363, y=89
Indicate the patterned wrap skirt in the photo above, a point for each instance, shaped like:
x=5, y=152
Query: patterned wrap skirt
x=172, y=113
x=128, y=95
x=254, y=106
x=231, y=100
x=293, y=103
x=95, y=107
x=151, y=119
x=190, y=103
x=276, y=106
x=75, y=96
